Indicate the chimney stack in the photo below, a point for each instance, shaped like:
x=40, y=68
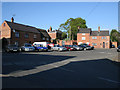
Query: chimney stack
x=12, y=19
x=99, y=29
x=50, y=29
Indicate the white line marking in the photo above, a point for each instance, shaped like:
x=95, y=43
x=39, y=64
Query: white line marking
x=109, y=80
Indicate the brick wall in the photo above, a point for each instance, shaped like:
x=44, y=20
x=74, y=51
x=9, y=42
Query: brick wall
x=5, y=30
x=115, y=43
x=79, y=38
x=68, y=42
x=22, y=39
x=52, y=35
x=99, y=41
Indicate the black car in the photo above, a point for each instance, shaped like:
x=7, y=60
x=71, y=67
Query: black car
x=118, y=48
x=78, y=47
x=12, y=48
x=86, y=47
x=113, y=46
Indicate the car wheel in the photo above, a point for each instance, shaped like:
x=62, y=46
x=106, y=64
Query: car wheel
x=7, y=50
x=84, y=48
x=39, y=50
x=69, y=49
x=20, y=50
x=59, y=50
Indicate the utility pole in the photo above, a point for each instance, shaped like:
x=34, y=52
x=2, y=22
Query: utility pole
x=70, y=33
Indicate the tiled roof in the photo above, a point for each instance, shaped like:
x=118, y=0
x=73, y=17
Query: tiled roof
x=44, y=32
x=57, y=31
x=101, y=33
x=84, y=30
x=22, y=27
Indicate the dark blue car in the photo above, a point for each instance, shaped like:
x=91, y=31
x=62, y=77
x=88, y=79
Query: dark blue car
x=39, y=47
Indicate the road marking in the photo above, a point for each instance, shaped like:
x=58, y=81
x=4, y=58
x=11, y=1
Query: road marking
x=109, y=80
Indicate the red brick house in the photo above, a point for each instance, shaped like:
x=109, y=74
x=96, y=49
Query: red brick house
x=19, y=34
x=54, y=34
x=98, y=39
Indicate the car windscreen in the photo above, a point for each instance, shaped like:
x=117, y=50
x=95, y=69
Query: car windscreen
x=28, y=45
x=70, y=45
x=75, y=46
x=118, y=46
x=56, y=45
x=39, y=45
x=12, y=45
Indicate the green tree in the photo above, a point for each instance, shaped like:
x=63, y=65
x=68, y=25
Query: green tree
x=71, y=26
x=115, y=36
x=64, y=35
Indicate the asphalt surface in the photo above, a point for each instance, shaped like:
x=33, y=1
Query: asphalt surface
x=69, y=69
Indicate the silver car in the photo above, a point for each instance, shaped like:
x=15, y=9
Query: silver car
x=27, y=47
x=56, y=47
x=77, y=47
x=12, y=48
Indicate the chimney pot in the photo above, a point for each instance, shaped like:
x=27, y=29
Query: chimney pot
x=50, y=29
x=99, y=29
x=12, y=19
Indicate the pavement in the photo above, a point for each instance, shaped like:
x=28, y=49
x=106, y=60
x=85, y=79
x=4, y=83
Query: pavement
x=70, y=69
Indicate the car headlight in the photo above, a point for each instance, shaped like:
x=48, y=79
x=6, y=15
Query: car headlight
x=41, y=48
x=71, y=48
x=60, y=48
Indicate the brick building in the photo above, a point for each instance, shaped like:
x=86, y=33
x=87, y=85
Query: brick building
x=54, y=34
x=19, y=34
x=98, y=39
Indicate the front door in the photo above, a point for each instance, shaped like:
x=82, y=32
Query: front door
x=103, y=44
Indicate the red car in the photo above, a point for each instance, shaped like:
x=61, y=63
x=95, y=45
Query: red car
x=69, y=47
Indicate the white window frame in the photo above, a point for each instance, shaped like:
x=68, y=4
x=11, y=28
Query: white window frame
x=35, y=36
x=83, y=33
x=26, y=35
x=83, y=38
x=43, y=38
x=47, y=38
x=94, y=37
x=104, y=37
x=94, y=44
x=17, y=34
x=17, y=43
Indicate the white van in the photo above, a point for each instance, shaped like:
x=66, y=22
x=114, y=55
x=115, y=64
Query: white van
x=45, y=44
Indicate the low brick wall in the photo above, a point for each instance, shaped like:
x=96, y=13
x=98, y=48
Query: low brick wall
x=115, y=43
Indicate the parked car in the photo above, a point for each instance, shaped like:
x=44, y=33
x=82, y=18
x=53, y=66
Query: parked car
x=57, y=47
x=113, y=46
x=39, y=47
x=27, y=47
x=12, y=48
x=118, y=48
x=86, y=47
x=45, y=44
x=69, y=47
x=78, y=47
